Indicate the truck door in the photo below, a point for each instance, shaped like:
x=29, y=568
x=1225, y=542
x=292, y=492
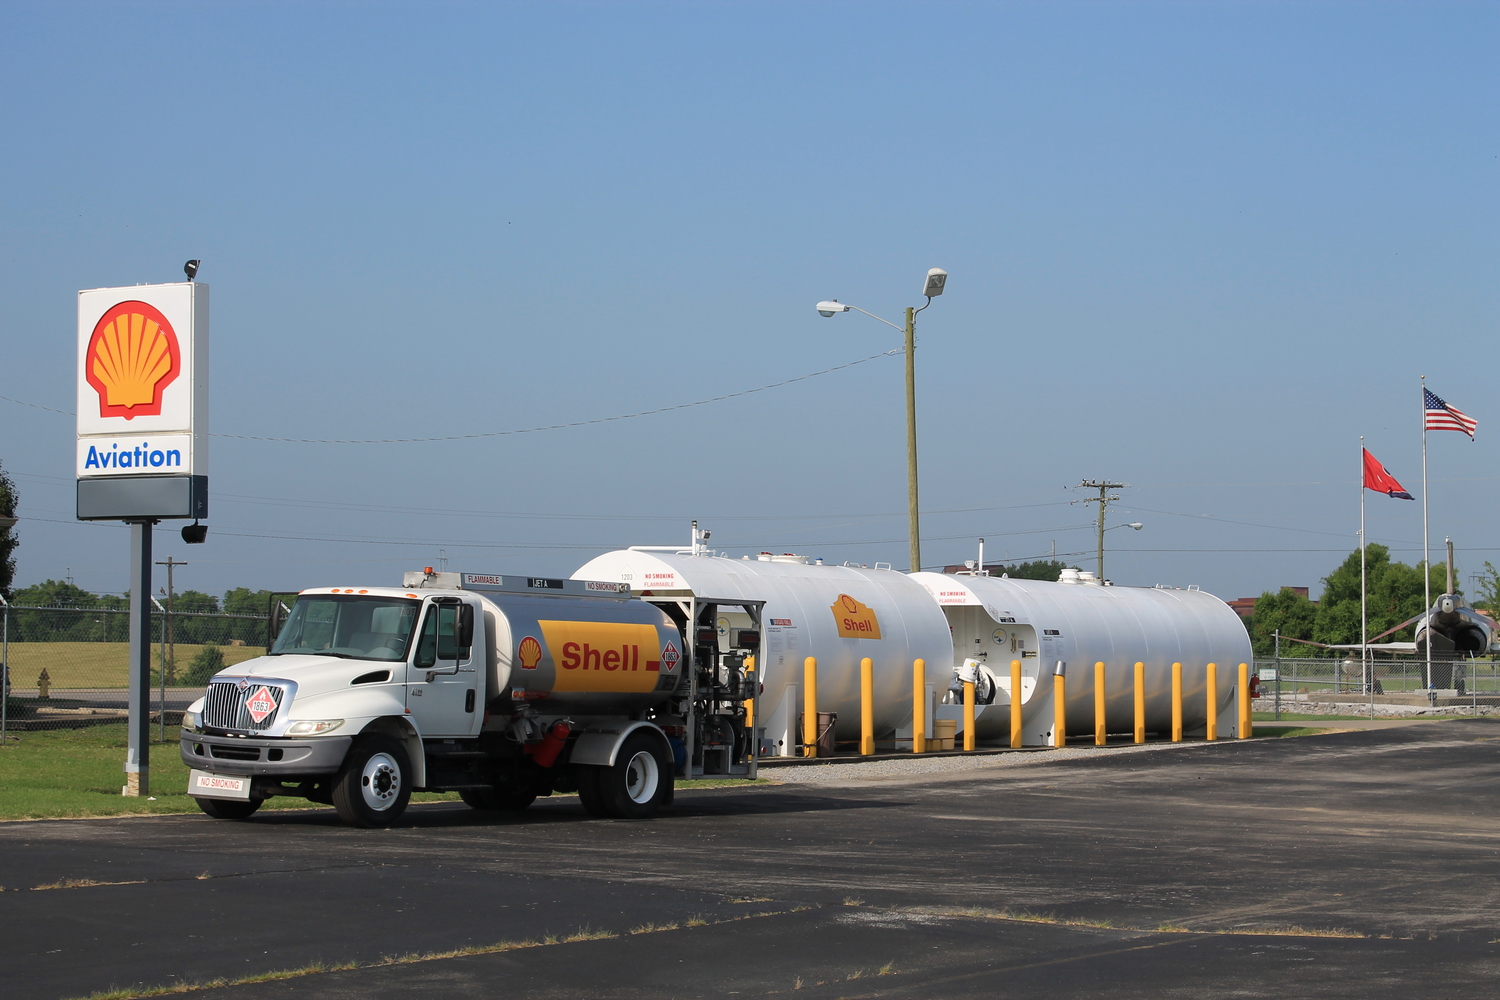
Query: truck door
x=442, y=684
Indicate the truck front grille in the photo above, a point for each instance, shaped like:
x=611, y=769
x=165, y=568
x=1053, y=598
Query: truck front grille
x=224, y=705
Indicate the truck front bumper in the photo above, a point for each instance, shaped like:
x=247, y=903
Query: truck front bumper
x=264, y=757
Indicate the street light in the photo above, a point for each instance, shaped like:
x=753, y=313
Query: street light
x=937, y=278
x=1102, y=529
x=8, y=522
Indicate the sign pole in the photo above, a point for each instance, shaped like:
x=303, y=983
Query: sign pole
x=138, y=752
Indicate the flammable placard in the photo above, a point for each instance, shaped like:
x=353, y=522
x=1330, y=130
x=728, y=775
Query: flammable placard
x=143, y=380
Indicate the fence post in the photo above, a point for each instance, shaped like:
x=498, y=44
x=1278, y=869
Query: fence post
x=4, y=666
x=810, y=707
x=1176, y=703
x=919, y=706
x=1140, y=702
x=1099, y=705
x=1211, y=727
x=866, y=707
x=1015, y=704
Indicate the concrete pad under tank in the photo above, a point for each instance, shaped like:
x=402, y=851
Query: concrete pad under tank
x=996, y=620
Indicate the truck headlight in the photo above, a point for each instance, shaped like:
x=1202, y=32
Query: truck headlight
x=317, y=728
x=192, y=721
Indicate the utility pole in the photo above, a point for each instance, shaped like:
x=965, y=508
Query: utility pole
x=171, y=564
x=1103, y=500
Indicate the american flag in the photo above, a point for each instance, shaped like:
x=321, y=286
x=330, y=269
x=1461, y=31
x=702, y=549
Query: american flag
x=1442, y=417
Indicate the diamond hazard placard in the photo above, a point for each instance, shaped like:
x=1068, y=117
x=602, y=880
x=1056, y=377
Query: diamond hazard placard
x=670, y=656
x=261, y=704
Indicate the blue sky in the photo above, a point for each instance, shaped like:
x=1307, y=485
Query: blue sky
x=1200, y=248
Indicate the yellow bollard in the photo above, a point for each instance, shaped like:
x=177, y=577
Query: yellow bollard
x=1015, y=704
x=1176, y=703
x=1059, y=707
x=750, y=701
x=1099, y=722
x=1246, y=727
x=968, y=715
x=810, y=707
x=1211, y=728
x=866, y=707
x=919, y=706
x=1140, y=702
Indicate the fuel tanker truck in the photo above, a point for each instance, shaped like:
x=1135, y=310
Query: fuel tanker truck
x=500, y=688
x=963, y=627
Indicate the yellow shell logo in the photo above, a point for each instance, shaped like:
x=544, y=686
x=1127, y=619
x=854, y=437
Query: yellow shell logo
x=131, y=359
x=855, y=620
x=529, y=652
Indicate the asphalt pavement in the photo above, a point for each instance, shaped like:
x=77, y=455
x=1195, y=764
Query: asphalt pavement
x=1353, y=864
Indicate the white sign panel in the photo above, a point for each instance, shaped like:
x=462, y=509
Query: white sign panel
x=143, y=380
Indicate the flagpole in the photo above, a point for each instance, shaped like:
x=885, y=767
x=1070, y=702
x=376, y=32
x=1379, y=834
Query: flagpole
x=1364, y=617
x=1426, y=556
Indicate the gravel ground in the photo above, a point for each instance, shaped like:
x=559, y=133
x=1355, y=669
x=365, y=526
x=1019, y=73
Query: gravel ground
x=1356, y=707
x=915, y=768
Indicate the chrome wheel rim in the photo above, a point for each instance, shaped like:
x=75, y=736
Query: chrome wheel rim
x=380, y=782
x=642, y=775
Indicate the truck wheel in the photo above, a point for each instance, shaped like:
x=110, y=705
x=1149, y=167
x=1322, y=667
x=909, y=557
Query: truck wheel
x=375, y=784
x=229, y=808
x=495, y=800
x=587, y=777
x=640, y=780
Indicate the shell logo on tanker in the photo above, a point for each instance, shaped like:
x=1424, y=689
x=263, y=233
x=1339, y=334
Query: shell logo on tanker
x=529, y=653
x=604, y=656
x=131, y=359
x=855, y=620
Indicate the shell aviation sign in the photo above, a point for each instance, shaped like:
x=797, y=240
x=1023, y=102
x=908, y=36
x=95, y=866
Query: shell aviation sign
x=143, y=380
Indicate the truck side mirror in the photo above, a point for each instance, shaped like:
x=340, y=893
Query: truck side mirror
x=465, y=626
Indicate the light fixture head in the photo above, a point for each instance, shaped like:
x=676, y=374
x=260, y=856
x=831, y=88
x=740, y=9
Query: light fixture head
x=831, y=307
x=936, y=279
x=191, y=269
x=1136, y=525
x=195, y=533
x=7, y=522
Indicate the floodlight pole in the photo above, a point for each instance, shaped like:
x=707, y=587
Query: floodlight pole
x=138, y=746
x=912, y=506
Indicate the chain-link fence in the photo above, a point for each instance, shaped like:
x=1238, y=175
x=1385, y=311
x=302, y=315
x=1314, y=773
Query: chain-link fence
x=1479, y=677
x=67, y=667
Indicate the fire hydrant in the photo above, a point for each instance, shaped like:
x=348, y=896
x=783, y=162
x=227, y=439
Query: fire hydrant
x=43, y=684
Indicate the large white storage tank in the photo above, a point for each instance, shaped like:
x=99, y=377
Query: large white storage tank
x=839, y=614
x=1078, y=622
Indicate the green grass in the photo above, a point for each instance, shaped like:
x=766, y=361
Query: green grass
x=1276, y=732
x=69, y=773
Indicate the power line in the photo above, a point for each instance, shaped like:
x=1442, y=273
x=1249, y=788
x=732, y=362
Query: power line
x=520, y=430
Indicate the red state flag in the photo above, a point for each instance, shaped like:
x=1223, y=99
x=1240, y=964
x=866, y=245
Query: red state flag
x=1381, y=481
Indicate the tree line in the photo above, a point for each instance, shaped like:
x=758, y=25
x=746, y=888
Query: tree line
x=1394, y=594
x=77, y=615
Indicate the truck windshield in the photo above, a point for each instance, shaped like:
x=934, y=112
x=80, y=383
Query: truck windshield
x=359, y=628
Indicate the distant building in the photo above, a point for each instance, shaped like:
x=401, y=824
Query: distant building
x=1245, y=606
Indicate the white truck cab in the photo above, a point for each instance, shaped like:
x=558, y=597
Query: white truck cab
x=501, y=688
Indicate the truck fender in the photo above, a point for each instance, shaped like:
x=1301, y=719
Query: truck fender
x=405, y=730
x=599, y=742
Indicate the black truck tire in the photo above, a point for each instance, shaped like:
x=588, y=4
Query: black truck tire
x=587, y=777
x=639, y=782
x=229, y=808
x=374, y=785
x=496, y=799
